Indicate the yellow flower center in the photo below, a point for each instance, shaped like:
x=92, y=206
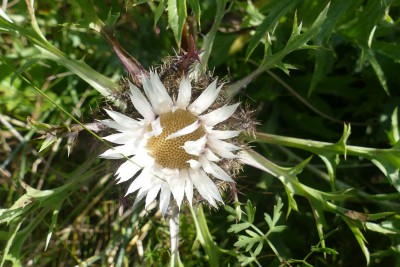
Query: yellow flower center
x=170, y=153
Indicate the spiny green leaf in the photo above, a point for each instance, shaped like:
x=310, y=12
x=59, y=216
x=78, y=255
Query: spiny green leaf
x=368, y=55
x=89, y=12
x=110, y=22
x=359, y=236
x=280, y=8
x=324, y=58
x=285, y=67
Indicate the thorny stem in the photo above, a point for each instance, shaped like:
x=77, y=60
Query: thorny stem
x=174, y=233
x=209, y=38
x=316, y=146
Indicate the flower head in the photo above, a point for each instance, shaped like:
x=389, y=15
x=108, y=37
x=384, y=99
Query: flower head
x=177, y=145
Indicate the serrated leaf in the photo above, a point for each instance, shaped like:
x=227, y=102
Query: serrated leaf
x=176, y=18
x=285, y=67
x=89, y=12
x=110, y=22
x=244, y=260
x=324, y=58
x=268, y=219
x=159, y=10
x=280, y=8
x=236, y=228
x=277, y=212
x=250, y=211
x=368, y=55
x=297, y=41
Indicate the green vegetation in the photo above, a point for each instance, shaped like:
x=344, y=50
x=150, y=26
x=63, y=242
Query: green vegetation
x=312, y=70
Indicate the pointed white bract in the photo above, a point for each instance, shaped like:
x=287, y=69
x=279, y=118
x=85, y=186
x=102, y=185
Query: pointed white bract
x=141, y=103
x=185, y=93
x=150, y=179
x=187, y=130
x=205, y=100
x=218, y=115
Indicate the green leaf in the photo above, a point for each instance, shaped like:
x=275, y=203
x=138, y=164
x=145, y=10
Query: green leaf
x=297, y=41
x=110, y=22
x=195, y=5
x=324, y=250
x=285, y=67
x=50, y=139
x=56, y=210
x=48, y=51
x=280, y=8
x=14, y=227
x=278, y=229
x=393, y=134
x=277, y=214
x=381, y=229
x=176, y=18
x=250, y=211
x=324, y=58
x=360, y=238
x=368, y=55
x=90, y=13
x=204, y=236
x=259, y=248
x=160, y=9
x=208, y=39
x=236, y=228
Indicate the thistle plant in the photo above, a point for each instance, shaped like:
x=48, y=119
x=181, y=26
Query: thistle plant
x=147, y=141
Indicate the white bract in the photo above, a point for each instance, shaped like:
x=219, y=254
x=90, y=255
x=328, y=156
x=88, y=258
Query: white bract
x=174, y=144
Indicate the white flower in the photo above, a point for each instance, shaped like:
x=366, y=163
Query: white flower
x=174, y=144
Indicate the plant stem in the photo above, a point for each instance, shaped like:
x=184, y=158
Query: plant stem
x=174, y=233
